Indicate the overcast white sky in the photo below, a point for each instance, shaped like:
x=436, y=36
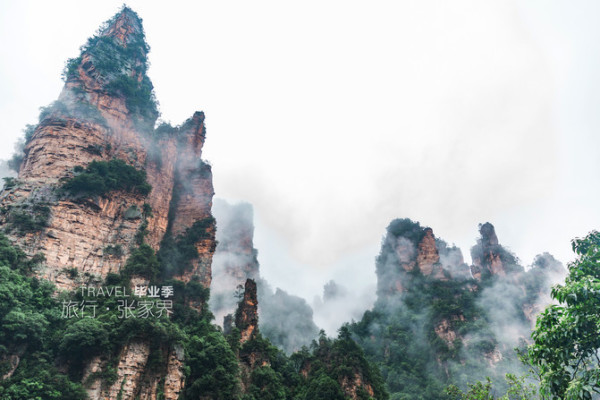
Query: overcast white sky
x=334, y=117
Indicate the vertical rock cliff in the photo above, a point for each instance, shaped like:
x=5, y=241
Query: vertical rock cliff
x=107, y=111
x=80, y=203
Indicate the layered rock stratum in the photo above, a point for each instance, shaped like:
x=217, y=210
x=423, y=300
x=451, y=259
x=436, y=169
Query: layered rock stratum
x=107, y=111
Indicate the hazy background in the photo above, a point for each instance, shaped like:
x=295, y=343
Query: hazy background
x=333, y=117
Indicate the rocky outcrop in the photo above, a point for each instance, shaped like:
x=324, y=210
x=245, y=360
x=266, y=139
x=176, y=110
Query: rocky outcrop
x=353, y=386
x=175, y=377
x=445, y=332
x=487, y=255
x=93, y=122
x=130, y=369
x=408, y=248
x=134, y=380
x=107, y=111
x=246, y=316
x=428, y=254
x=406, y=252
x=446, y=329
x=58, y=145
x=194, y=180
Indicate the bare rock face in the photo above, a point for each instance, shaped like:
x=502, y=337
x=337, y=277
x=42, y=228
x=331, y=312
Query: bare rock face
x=194, y=183
x=445, y=330
x=246, y=317
x=428, y=253
x=130, y=370
x=175, y=378
x=351, y=386
x=94, y=386
x=60, y=144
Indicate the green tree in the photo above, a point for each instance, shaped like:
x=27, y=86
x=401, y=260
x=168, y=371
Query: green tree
x=143, y=262
x=565, y=340
x=477, y=391
x=324, y=388
x=86, y=337
x=266, y=384
x=213, y=368
x=518, y=389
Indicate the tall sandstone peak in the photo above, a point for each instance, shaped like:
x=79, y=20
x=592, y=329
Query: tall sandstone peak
x=489, y=257
x=98, y=118
x=408, y=247
x=246, y=316
x=107, y=111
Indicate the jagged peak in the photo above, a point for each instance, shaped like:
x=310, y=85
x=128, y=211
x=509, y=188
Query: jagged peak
x=114, y=62
x=124, y=26
x=118, y=46
x=194, y=124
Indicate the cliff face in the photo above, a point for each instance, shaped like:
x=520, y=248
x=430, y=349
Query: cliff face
x=107, y=111
x=428, y=254
x=92, y=122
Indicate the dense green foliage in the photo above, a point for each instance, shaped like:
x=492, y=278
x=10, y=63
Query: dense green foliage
x=212, y=366
x=176, y=254
x=101, y=177
x=33, y=325
x=113, y=250
x=70, y=329
x=401, y=338
x=566, y=340
x=29, y=326
x=29, y=218
x=518, y=389
x=317, y=372
x=143, y=262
